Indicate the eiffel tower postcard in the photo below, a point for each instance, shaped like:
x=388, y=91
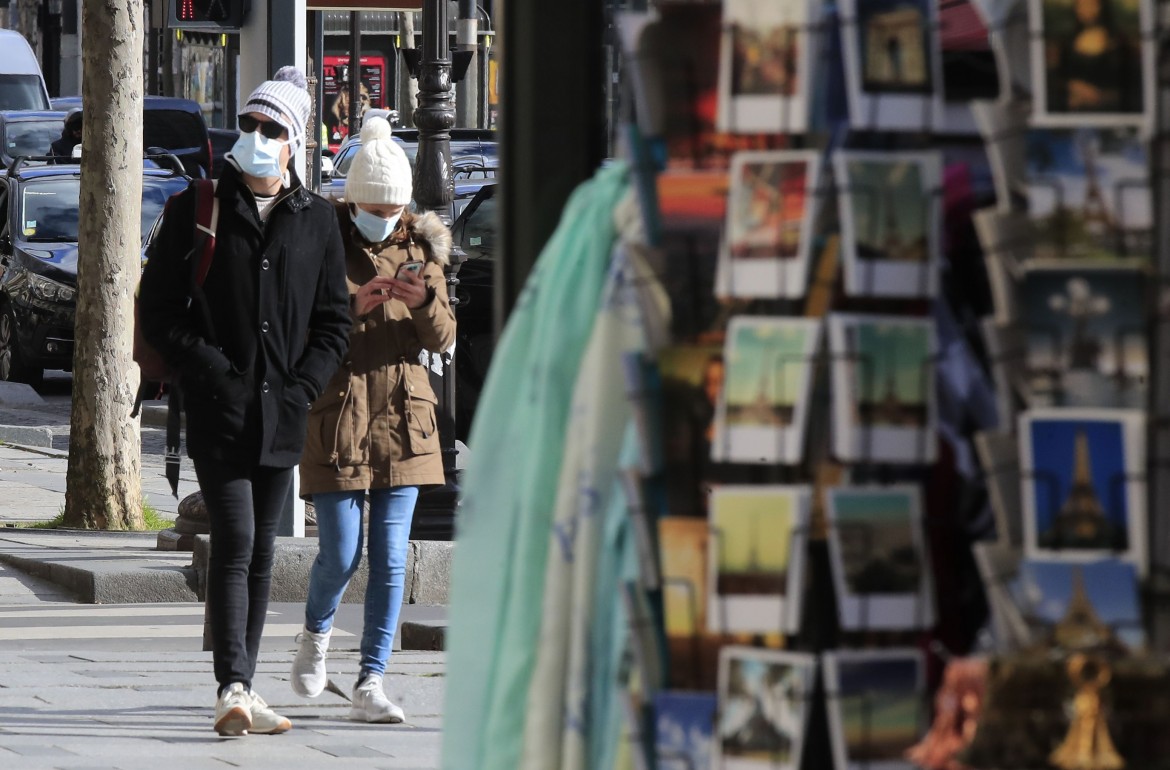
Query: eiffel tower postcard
x=891, y=222
x=757, y=558
x=1089, y=194
x=884, y=408
x=763, y=410
x=1083, y=484
x=880, y=706
x=1099, y=597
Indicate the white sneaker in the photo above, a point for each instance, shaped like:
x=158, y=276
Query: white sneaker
x=265, y=721
x=233, y=711
x=308, y=671
x=370, y=704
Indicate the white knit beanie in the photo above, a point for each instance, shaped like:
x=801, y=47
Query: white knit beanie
x=380, y=172
x=285, y=99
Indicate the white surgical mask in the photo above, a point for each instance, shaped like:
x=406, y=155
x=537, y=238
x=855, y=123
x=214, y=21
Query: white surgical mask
x=257, y=155
x=373, y=228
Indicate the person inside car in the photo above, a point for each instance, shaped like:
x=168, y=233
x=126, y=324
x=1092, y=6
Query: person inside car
x=64, y=145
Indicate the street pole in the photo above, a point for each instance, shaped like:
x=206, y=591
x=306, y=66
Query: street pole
x=467, y=89
x=355, y=74
x=435, y=114
x=433, y=191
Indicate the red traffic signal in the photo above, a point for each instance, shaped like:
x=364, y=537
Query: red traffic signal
x=207, y=15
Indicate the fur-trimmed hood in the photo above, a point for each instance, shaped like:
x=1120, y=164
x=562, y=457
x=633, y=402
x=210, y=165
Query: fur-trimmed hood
x=426, y=229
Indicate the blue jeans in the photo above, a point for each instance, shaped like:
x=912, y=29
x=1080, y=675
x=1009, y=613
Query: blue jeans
x=339, y=533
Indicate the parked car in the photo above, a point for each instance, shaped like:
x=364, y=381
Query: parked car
x=170, y=123
x=474, y=235
x=38, y=261
x=22, y=86
x=222, y=141
x=28, y=133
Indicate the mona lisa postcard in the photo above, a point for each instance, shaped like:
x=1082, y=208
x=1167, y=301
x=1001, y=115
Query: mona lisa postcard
x=1092, y=62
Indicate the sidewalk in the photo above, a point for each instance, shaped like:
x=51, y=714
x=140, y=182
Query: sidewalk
x=116, y=686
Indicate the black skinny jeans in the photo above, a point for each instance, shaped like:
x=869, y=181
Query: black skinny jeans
x=244, y=505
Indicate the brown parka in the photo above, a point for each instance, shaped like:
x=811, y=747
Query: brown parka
x=374, y=425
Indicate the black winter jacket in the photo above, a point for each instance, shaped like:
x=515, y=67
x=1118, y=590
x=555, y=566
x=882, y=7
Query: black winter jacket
x=266, y=331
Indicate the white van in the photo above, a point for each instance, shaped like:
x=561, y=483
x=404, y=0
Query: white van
x=22, y=86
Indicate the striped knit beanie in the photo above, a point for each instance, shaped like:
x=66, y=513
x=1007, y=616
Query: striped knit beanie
x=285, y=99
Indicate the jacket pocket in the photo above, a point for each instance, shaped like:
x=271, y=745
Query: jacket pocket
x=422, y=428
x=333, y=435
x=292, y=420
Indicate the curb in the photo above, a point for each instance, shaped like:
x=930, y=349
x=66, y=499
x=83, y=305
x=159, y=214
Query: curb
x=26, y=436
x=159, y=583
x=424, y=636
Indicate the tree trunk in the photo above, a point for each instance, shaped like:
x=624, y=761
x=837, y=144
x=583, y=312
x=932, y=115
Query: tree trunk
x=104, y=485
x=407, y=86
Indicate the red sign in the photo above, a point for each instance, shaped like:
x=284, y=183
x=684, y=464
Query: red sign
x=335, y=115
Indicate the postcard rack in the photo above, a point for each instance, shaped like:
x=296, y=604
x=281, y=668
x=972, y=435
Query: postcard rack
x=694, y=175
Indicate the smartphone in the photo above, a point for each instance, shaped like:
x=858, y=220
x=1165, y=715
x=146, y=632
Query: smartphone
x=414, y=267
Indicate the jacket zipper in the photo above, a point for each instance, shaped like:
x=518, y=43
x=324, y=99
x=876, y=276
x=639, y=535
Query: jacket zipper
x=335, y=456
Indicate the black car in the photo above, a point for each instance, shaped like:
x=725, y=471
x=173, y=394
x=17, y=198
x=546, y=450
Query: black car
x=170, y=123
x=38, y=261
x=28, y=132
x=474, y=234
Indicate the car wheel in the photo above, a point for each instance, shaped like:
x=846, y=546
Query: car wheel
x=12, y=365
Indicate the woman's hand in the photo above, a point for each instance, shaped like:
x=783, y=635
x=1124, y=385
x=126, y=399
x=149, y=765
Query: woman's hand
x=411, y=290
x=371, y=294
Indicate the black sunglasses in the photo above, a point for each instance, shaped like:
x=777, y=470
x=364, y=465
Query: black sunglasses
x=270, y=129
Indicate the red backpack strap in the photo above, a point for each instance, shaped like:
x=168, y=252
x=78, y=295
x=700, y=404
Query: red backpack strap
x=206, y=222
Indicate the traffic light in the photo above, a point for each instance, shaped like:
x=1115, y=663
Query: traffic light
x=207, y=15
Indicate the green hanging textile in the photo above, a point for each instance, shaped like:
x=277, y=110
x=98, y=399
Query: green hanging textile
x=510, y=486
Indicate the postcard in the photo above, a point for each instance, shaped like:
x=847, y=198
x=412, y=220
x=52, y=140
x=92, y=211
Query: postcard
x=765, y=67
x=763, y=708
x=884, y=408
x=771, y=213
x=692, y=383
x=757, y=558
x=1083, y=484
x=877, y=552
x=1089, y=192
x=763, y=409
x=877, y=707
x=1006, y=354
x=999, y=454
x=1105, y=591
x=893, y=64
x=1084, y=329
x=1092, y=62
x=684, y=729
x=1003, y=126
x=891, y=215
x=999, y=569
x=682, y=544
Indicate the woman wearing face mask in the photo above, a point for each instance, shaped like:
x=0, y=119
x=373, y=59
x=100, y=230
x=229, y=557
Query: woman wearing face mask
x=374, y=430
x=253, y=346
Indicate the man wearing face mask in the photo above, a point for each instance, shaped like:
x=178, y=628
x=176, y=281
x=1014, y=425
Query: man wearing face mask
x=373, y=429
x=253, y=347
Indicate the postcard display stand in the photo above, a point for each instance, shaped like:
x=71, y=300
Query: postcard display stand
x=789, y=166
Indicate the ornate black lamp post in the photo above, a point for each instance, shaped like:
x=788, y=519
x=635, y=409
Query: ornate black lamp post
x=433, y=191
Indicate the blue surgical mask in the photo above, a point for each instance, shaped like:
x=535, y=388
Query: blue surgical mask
x=372, y=227
x=257, y=155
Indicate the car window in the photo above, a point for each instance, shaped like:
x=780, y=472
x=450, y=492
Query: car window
x=22, y=92
x=341, y=162
x=30, y=137
x=49, y=209
x=477, y=236
x=173, y=129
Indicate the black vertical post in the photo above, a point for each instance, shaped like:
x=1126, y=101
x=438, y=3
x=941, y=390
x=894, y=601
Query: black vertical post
x=355, y=73
x=552, y=66
x=434, y=117
x=317, y=49
x=51, y=51
x=435, y=114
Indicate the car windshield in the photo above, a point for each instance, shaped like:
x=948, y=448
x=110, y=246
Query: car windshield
x=344, y=160
x=477, y=236
x=30, y=137
x=22, y=92
x=49, y=209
